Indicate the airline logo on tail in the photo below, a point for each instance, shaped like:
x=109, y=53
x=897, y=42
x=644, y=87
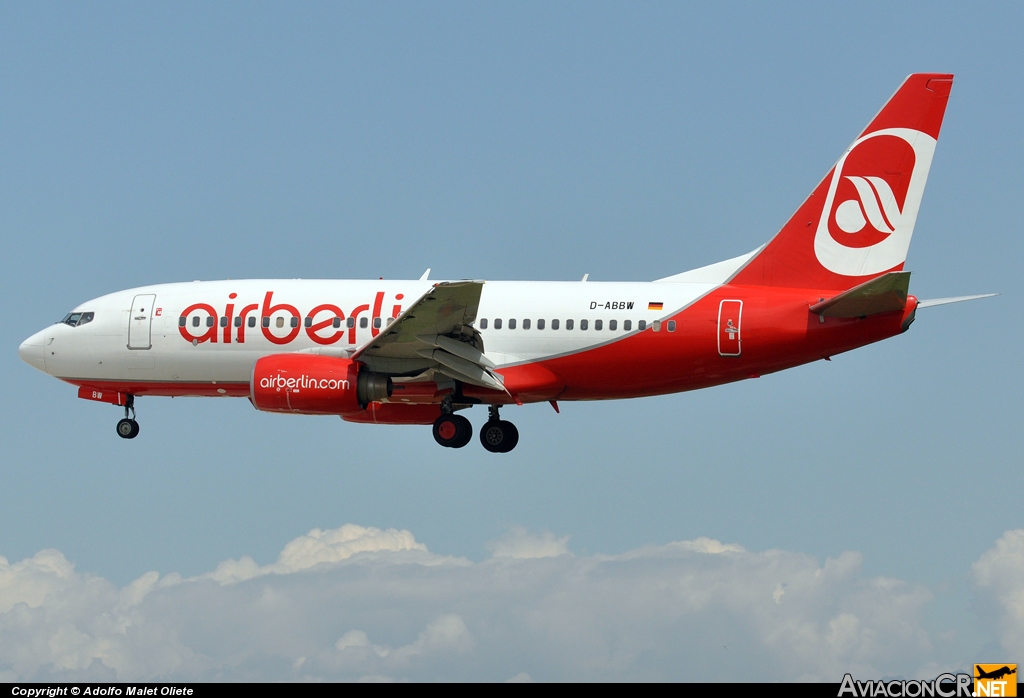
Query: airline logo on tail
x=872, y=202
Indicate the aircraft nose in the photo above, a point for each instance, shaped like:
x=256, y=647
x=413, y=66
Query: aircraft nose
x=31, y=351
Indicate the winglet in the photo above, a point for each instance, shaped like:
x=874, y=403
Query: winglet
x=426, y=275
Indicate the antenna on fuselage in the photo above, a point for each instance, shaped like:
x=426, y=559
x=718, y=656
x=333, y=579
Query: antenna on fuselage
x=426, y=275
x=585, y=277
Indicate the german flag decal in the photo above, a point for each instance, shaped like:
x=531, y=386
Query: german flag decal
x=655, y=306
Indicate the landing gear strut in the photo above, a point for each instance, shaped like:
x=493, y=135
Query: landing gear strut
x=452, y=430
x=128, y=428
x=498, y=436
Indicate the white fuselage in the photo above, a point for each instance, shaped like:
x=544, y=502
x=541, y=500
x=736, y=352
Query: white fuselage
x=119, y=346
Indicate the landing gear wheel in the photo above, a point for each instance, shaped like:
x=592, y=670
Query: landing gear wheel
x=452, y=431
x=499, y=436
x=127, y=428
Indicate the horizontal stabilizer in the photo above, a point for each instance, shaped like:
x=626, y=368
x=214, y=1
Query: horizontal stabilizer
x=882, y=294
x=958, y=299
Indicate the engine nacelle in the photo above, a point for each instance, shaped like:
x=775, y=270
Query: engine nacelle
x=313, y=384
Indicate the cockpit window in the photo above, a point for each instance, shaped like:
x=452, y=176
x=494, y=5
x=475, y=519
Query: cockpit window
x=75, y=319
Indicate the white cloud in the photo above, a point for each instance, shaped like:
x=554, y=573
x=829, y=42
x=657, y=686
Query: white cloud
x=369, y=604
x=57, y=622
x=998, y=577
x=320, y=547
x=520, y=544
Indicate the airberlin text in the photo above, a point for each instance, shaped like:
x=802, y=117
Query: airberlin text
x=303, y=381
x=324, y=324
x=943, y=686
x=611, y=305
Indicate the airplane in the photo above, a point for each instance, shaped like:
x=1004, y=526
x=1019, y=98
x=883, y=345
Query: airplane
x=996, y=674
x=419, y=352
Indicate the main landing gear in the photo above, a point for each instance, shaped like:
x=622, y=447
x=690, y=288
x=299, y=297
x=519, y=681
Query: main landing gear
x=128, y=428
x=498, y=436
x=454, y=431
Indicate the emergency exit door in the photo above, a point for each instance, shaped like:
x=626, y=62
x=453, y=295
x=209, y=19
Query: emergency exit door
x=730, y=316
x=140, y=322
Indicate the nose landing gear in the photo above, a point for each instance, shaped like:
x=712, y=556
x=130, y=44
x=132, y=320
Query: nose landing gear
x=128, y=428
x=498, y=436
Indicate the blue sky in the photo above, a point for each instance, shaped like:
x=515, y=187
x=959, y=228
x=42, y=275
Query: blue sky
x=168, y=142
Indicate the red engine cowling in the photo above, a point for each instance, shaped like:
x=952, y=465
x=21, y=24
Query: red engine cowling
x=312, y=384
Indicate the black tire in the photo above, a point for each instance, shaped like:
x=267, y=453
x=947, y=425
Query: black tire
x=446, y=430
x=127, y=429
x=465, y=434
x=499, y=436
x=512, y=436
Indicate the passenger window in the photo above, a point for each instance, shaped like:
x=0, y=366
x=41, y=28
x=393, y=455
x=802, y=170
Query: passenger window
x=85, y=319
x=336, y=323
x=195, y=321
x=598, y=324
x=627, y=325
x=295, y=321
x=209, y=321
x=584, y=324
x=512, y=323
x=350, y=323
x=526, y=324
x=568, y=324
x=252, y=321
x=671, y=325
x=266, y=322
x=224, y=321
x=280, y=322
x=540, y=324
x=554, y=324
x=613, y=324
x=308, y=321
x=391, y=319
x=656, y=325
x=376, y=323
x=364, y=323
x=238, y=321
x=497, y=323
x=642, y=325
x=182, y=321
x=483, y=323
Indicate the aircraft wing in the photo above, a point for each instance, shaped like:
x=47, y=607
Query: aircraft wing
x=435, y=333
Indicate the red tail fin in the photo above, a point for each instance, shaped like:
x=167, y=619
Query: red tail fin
x=858, y=222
